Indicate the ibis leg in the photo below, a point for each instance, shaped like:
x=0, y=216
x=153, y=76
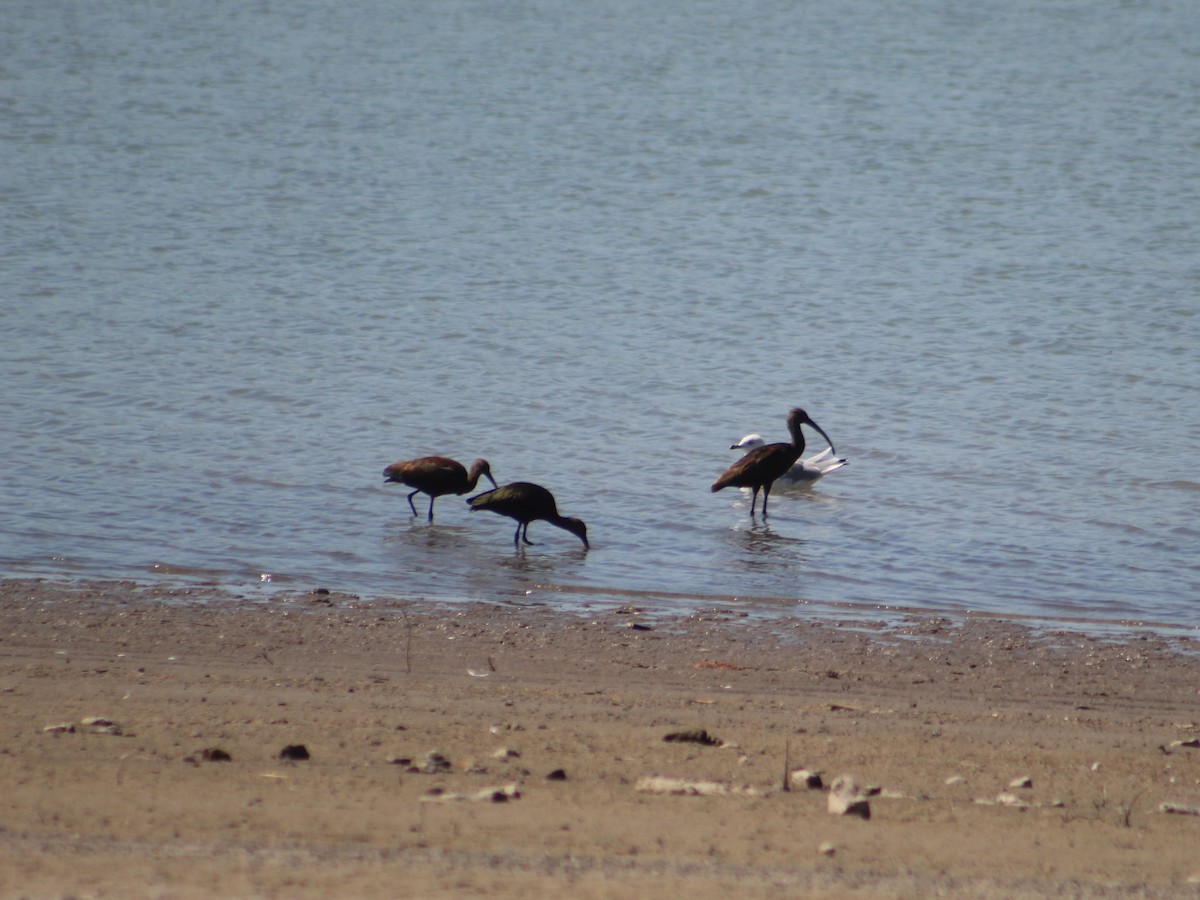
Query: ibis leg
x=410, y=503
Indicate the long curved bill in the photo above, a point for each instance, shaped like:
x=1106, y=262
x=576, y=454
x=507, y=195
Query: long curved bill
x=823, y=434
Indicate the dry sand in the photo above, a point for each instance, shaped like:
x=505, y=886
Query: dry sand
x=942, y=716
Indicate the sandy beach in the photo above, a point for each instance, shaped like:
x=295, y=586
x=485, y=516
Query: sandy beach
x=486, y=750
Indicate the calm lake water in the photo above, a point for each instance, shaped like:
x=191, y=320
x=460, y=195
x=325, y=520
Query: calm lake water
x=254, y=252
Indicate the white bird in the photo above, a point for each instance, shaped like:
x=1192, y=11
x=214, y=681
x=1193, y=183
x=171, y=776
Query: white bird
x=806, y=471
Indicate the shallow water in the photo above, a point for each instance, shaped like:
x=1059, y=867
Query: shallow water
x=256, y=252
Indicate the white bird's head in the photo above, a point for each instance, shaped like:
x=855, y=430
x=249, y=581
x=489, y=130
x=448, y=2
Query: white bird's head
x=748, y=443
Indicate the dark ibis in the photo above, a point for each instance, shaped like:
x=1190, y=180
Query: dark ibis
x=763, y=465
x=807, y=471
x=527, y=503
x=437, y=475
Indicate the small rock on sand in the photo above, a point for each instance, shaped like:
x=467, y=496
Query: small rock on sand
x=434, y=763
x=806, y=778
x=847, y=798
x=692, y=737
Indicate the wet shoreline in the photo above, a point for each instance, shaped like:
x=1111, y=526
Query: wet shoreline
x=943, y=717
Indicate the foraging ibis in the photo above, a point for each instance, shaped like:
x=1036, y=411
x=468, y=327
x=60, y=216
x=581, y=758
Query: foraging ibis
x=527, y=503
x=437, y=475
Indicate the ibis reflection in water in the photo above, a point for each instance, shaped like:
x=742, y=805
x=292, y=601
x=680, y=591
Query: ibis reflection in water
x=763, y=466
x=437, y=475
x=806, y=471
x=527, y=503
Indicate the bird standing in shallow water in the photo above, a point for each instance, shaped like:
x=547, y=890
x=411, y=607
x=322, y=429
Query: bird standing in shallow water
x=762, y=466
x=806, y=471
x=437, y=475
x=527, y=503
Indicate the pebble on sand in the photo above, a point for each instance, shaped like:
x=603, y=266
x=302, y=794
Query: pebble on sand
x=433, y=763
x=208, y=754
x=699, y=736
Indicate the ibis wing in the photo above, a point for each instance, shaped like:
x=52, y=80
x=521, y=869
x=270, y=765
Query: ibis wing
x=758, y=467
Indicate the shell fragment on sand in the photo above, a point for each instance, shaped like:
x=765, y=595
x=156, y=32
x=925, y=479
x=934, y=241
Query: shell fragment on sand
x=847, y=798
x=501, y=794
x=661, y=784
x=1179, y=809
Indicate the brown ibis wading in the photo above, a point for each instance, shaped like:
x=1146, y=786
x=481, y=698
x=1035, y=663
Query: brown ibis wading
x=527, y=503
x=806, y=471
x=436, y=475
x=762, y=466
